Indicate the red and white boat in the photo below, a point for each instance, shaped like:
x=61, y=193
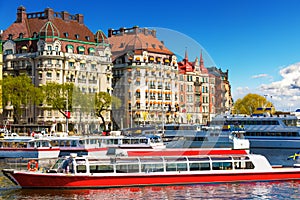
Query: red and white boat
x=84, y=172
x=27, y=147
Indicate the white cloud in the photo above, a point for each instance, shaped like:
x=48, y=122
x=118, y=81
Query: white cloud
x=259, y=76
x=285, y=93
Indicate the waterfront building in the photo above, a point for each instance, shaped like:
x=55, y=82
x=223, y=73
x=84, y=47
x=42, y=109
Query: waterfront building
x=145, y=78
x=221, y=96
x=193, y=91
x=58, y=47
x=203, y=92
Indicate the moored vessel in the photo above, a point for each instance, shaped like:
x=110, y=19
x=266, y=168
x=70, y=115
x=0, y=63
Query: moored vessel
x=84, y=172
x=274, y=136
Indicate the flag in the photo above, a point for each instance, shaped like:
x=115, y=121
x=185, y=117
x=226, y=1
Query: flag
x=294, y=157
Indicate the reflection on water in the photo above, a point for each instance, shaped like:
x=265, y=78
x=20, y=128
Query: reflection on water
x=255, y=190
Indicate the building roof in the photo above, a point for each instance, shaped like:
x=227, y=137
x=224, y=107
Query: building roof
x=186, y=66
x=132, y=39
x=60, y=24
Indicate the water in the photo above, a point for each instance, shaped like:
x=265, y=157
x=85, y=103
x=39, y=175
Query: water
x=254, y=190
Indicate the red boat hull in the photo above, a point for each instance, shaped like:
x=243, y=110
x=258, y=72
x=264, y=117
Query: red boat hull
x=34, y=180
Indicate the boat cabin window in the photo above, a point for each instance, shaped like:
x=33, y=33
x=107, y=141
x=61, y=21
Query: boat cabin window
x=176, y=167
x=126, y=141
x=221, y=165
x=199, y=166
x=101, y=169
x=31, y=144
x=243, y=165
x=127, y=168
x=73, y=143
x=158, y=167
x=81, y=168
x=290, y=122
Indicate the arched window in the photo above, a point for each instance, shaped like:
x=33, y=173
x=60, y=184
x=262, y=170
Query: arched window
x=70, y=48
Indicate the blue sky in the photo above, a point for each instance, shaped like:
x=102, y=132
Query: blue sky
x=256, y=40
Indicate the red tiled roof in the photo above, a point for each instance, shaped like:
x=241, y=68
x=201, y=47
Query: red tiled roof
x=28, y=26
x=186, y=66
x=124, y=42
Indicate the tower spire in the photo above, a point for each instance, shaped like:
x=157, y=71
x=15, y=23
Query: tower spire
x=201, y=61
x=186, y=55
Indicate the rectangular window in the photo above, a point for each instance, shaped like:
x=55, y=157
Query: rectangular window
x=101, y=169
x=176, y=167
x=82, y=65
x=199, y=166
x=49, y=74
x=81, y=169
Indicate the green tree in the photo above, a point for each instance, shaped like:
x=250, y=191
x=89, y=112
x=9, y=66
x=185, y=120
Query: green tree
x=249, y=104
x=19, y=92
x=59, y=96
x=103, y=103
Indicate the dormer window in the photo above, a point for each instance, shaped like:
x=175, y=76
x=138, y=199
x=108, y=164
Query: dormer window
x=87, y=38
x=34, y=35
x=66, y=34
x=21, y=35
x=77, y=36
x=10, y=36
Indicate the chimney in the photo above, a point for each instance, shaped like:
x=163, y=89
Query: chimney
x=154, y=33
x=49, y=13
x=110, y=32
x=21, y=14
x=122, y=31
x=79, y=18
x=65, y=15
x=136, y=29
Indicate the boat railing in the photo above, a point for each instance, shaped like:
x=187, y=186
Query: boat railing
x=153, y=164
x=21, y=163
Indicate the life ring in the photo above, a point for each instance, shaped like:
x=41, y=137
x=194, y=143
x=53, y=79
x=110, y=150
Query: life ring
x=32, y=165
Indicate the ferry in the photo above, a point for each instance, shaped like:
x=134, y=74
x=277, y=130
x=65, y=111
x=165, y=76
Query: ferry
x=27, y=147
x=85, y=172
x=80, y=145
x=274, y=136
x=197, y=136
x=106, y=145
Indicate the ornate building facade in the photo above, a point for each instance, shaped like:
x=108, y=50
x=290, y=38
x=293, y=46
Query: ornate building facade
x=57, y=47
x=145, y=78
x=194, y=91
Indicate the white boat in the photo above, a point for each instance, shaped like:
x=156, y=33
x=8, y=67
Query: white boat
x=274, y=136
x=27, y=147
x=83, y=172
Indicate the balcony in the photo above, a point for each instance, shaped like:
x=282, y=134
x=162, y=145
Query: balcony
x=197, y=83
x=197, y=93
